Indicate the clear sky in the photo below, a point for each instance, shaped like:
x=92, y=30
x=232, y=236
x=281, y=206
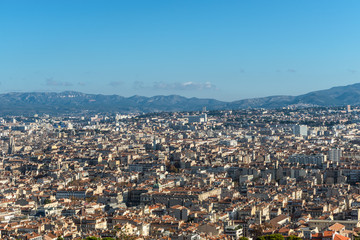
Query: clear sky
x=226, y=50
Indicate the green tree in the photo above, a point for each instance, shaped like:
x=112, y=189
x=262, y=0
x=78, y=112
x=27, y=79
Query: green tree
x=271, y=237
x=243, y=238
x=91, y=238
x=293, y=237
x=124, y=236
x=276, y=237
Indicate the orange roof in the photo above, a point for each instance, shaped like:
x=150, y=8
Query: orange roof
x=340, y=237
x=328, y=233
x=336, y=227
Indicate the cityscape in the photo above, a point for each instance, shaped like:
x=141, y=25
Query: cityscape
x=182, y=175
x=179, y=120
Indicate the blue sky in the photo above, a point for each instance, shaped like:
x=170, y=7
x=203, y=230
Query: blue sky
x=226, y=50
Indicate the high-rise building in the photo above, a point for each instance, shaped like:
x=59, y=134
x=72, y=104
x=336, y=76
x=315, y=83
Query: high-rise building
x=335, y=154
x=300, y=130
x=316, y=159
x=198, y=118
x=348, y=108
x=11, y=147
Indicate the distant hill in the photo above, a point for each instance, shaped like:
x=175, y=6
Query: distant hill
x=76, y=102
x=336, y=96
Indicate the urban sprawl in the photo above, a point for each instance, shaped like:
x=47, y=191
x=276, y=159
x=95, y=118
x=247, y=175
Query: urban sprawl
x=290, y=173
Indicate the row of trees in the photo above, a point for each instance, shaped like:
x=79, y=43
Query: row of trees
x=277, y=237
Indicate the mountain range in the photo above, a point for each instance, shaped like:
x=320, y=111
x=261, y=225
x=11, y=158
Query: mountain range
x=76, y=102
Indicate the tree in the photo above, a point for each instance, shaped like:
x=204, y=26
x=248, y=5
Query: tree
x=125, y=236
x=91, y=238
x=271, y=237
x=243, y=238
x=293, y=237
x=276, y=237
